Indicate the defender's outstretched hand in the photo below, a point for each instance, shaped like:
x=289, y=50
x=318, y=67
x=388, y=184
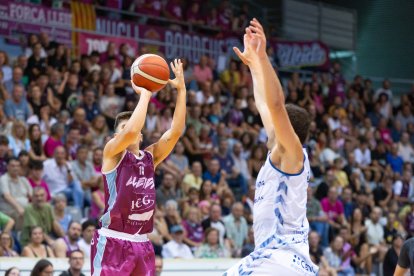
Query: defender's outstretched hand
x=254, y=43
x=177, y=67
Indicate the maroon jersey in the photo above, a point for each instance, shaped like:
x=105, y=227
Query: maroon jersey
x=130, y=195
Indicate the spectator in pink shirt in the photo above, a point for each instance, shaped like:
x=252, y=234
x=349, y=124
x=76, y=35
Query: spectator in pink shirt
x=334, y=208
x=202, y=72
x=55, y=139
x=35, y=176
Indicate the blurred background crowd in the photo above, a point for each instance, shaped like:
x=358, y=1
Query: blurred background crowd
x=57, y=112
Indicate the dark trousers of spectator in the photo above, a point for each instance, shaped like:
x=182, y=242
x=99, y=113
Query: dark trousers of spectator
x=323, y=230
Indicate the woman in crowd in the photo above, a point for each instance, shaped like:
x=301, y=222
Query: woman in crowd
x=191, y=144
x=59, y=210
x=193, y=231
x=6, y=245
x=255, y=163
x=18, y=140
x=207, y=193
x=211, y=247
x=36, y=247
x=99, y=130
x=335, y=256
x=36, y=146
x=42, y=268
x=13, y=271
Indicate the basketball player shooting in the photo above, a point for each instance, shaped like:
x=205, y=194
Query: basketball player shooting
x=279, y=212
x=121, y=246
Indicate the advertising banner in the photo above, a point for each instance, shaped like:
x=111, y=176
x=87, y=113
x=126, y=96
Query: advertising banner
x=18, y=19
x=293, y=54
x=91, y=42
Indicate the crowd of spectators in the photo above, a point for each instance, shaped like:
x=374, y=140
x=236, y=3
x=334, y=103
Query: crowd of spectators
x=57, y=113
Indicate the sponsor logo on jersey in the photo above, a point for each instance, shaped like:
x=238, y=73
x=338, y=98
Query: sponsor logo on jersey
x=298, y=263
x=140, y=182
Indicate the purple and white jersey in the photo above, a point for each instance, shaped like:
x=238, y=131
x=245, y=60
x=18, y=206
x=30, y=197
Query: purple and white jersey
x=130, y=195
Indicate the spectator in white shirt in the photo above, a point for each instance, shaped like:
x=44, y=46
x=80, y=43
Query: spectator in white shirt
x=58, y=176
x=239, y=162
x=375, y=232
x=176, y=249
x=405, y=149
x=84, y=243
x=385, y=89
x=363, y=153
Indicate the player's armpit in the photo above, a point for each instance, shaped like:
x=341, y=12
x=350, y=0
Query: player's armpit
x=399, y=271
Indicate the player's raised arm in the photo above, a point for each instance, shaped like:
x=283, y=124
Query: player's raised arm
x=165, y=145
x=258, y=89
x=131, y=132
x=287, y=141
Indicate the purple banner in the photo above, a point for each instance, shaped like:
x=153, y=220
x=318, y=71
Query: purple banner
x=18, y=19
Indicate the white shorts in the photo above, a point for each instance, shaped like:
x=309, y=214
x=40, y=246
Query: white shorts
x=284, y=262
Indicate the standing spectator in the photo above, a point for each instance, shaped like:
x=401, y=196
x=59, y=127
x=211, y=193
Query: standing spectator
x=63, y=247
x=35, y=177
x=36, y=247
x=39, y=213
x=42, y=268
x=36, y=64
x=55, y=139
x=84, y=243
x=175, y=248
x=406, y=258
x=6, y=245
x=391, y=258
x=15, y=191
x=76, y=260
x=236, y=227
x=58, y=176
x=18, y=139
x=17, y=107
x=212, y=248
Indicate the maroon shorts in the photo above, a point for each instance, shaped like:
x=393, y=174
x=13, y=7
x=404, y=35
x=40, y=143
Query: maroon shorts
x=121, y=256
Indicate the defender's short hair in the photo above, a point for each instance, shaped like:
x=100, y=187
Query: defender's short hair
x=121, y=117
x=300, y=120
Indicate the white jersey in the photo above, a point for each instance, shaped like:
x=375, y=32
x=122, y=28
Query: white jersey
x=280, y=224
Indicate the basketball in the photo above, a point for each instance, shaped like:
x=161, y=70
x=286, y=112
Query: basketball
x=151, y=72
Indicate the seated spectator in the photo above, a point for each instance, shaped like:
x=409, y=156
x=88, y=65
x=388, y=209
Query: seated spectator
x=6, y=223
x=193, y=179
x=393, y=228
x=6, y=245
x=375, y=232
x=4, y=154
x=69, y=243
x=16, y=192
x=97, y=160
x=89, y=104
x=60, y=204
x=394, y=160
x=236, y=228
x=98, y=201
x=175, y=248
x=172, y=216
x=17, y=108
x=158, y=265
x=55, y=139
x=404, y=189
x=192, y=200
x=179, y=159
x=204, y=207
x=215, y=221
x=383, y=193
x=317, y=217
x=36, y=145
x=167, y=190
x=334, y=208
x=72, y=143
x=58, y=176
x=391, y=258
x=334, y=257
x=84, y=172
x=202, y=72
x=212, y=248
x=257, y=159
x=191, y=144
x=207, y=193
x=316, y=254
x=76, y=261
x=24, y=160
x=84, y=243
x=16, y=79
x=248, y=246
x=39, y=213
x=42, y=267
x=405, y=148
x=36, y=248
x=193, y=231
x=110, y=104
x=240, y=163
x=99, y=130
x=13, y=271
x=17, y=139
x=213, y=173
x=35, y=177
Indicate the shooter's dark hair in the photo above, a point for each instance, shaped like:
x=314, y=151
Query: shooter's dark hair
x=300, y=120
x=122, y=117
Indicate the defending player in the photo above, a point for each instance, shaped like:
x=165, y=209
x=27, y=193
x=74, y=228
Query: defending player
x=279, y=223
x=121, y=246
